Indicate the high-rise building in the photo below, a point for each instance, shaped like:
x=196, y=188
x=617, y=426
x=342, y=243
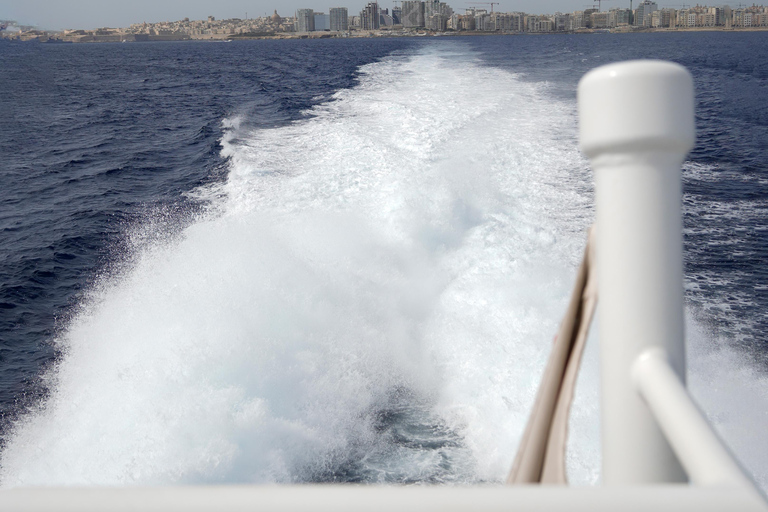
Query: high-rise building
x=413, y=14
x=322, y=21
x=433, y=7
x=369, y=16
x=397, y=15
x=305, y=20
x=339, y=19
x=644, y=13
x=436, y=22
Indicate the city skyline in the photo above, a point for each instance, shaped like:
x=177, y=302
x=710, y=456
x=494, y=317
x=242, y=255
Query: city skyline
x=91, y=14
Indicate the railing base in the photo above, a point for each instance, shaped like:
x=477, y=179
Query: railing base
x=349, y=498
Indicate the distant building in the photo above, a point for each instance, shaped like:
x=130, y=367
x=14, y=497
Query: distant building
x=644, y=13
x=466, y=22
x=322, y=21
x=666, y=18
x=436, y=22
x=339, y=19
x=369, y=17
x=397, y=15
x=599, y=19
x=588, y=17
x=483, y=21
x=619, y=17
x=578, y=21
x=412, y=14
x=433, y=7
x=305, y=20
x=562, y=21
x=686, y=18
x=540, y=24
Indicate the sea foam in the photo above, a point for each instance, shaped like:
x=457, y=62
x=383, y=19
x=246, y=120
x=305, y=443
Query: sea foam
x=410, y=245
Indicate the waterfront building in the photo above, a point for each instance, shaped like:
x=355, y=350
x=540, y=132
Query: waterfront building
x=618, y=17
x=397, y=15
x=599, y=19
x=484, y=22
x=742, y=18
x=369, y=17
x=539, y=24
x=664, y=18
x=754, y=16
x=644, y=13
x=705, y=19
x=466, y=22
x=413, y=14
x=512, y=22
x=686, y=18
x=656, y=19
x=305, y=20
x=588, y=17
x=339, y=19
x=432, y=7
x=436, y=22
x=322, y=22
x=719, y=13
x=561, y=21
x=578, y=20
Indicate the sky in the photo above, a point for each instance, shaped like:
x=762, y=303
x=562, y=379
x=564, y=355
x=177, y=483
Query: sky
x=88, y=14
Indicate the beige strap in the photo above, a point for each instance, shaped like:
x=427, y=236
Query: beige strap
x=541, y=455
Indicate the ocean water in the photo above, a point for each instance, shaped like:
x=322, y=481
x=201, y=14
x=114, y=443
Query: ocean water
x=339, y=261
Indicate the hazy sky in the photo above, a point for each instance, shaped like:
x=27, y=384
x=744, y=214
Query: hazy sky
x=58, y=14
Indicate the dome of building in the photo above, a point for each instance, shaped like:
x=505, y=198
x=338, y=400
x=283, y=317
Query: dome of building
x=276, y=17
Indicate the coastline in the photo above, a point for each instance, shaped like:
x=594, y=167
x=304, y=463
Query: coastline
x=139, y=38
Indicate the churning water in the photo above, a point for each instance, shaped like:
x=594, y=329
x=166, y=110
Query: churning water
x=368, y=295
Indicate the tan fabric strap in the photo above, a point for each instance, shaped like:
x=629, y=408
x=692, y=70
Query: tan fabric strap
x=541, y=454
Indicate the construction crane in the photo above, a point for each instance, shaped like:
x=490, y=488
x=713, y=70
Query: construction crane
x=599, y=4
x=485, y=3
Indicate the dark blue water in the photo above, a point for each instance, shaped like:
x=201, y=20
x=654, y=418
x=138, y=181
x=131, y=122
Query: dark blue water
x=95, y=139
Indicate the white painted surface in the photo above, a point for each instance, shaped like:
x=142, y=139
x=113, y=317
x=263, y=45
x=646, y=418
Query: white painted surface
x=700, y=451
x=384, y=499
x=636, y=151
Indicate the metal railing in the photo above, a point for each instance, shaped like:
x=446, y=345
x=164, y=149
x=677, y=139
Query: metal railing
x=637, y=125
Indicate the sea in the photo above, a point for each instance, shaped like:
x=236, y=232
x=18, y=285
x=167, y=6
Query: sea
x=305, y=261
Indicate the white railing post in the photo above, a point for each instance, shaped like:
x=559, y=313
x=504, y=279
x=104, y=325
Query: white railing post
x=636, y=126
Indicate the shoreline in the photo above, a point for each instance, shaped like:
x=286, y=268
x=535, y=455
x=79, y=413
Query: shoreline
x=139, y=38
